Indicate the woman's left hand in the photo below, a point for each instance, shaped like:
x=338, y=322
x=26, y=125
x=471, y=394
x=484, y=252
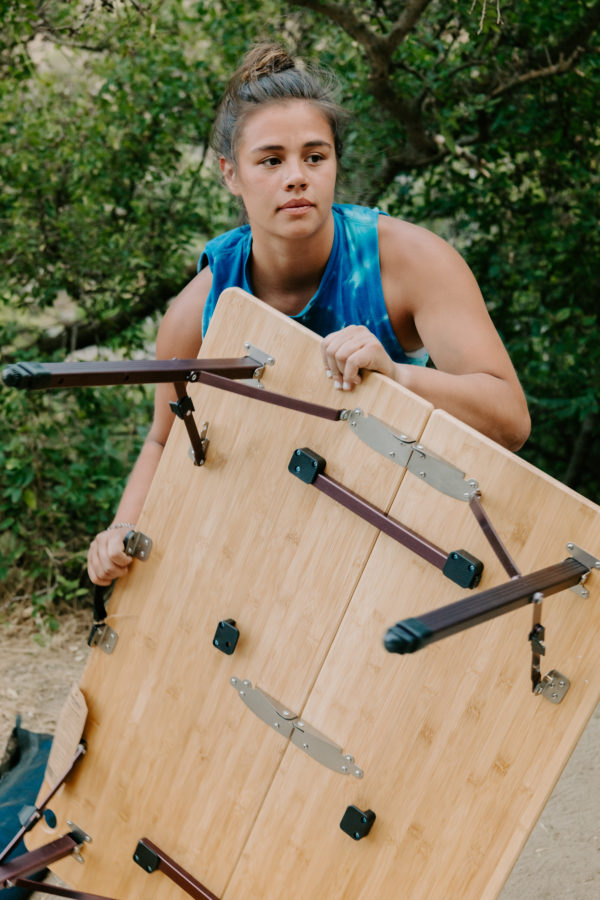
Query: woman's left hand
x=353, y=348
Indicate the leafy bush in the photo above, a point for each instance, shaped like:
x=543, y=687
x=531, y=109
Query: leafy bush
x=64, y=458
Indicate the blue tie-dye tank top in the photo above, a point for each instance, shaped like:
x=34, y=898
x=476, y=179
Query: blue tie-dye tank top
x=350, y=292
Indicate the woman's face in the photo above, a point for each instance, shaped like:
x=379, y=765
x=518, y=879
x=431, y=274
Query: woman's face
x=285, y=169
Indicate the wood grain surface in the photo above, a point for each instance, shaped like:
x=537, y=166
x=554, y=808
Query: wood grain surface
x=459, y=756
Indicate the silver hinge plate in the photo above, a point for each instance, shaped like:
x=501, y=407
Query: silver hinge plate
x=138, y=545
x=275, y=714
x=405, y=451
x=285, y=722
x=553, y=686
x=586, y=559
x=81, y=837
x=252, y=382
x=323, y=750
x=263, y=359
x=103, y=637
x=377, y=435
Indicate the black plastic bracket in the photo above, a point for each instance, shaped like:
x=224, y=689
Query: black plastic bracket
x=226, y=636
x=536, y=636
x=305, y=464
x=151, y=858
x=182, y=407
x=463, y=568
x=357, y=823
x=146, y=858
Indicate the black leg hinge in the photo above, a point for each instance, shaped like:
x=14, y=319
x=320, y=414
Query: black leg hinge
x=226, y=636
x=305, y=464
x=357, y=823
x=146, y=858
x=536, y=636
x=463, y=569
x=182, y=407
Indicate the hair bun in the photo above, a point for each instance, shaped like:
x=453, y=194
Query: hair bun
x=268, y=74
x=264, y=59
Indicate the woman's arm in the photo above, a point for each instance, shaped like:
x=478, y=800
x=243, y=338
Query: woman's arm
x=179, y=335
x=433, y=300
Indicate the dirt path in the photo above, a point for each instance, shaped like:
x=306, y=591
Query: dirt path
x=561, y=860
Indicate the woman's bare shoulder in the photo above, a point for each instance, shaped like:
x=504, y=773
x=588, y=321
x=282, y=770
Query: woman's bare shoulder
x=414, y=246
x=180, y=333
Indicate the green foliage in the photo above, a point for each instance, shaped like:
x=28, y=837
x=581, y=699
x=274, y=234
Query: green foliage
x=521, y=201
x=102, y=162
x=63, y=470
x=486, y=132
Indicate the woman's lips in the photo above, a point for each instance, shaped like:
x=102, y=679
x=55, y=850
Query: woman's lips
x=296, y=206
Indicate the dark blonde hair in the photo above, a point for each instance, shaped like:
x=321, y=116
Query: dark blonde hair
x=269, y=75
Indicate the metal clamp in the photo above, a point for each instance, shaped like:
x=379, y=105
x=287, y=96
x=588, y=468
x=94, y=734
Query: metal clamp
x=203, y=444
x=103, y=636
x=81, y=837
x=586, y=559
x=137, y=544
x=553, y=686
x=406, y=452
x=283, y=720
x=263, y=359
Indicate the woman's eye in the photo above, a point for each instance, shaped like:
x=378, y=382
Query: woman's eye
x=315, y=158
x=270, y=162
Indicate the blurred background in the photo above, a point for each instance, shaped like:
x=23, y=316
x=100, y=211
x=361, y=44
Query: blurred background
x=475, y=119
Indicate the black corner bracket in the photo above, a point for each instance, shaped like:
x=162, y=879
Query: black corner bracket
x=226, y=636
x=463, y=569
x=182, y=407
x=356, y=822
x=146, y=858
x=305, y=464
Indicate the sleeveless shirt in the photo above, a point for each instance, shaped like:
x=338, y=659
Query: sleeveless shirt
x=350, y=292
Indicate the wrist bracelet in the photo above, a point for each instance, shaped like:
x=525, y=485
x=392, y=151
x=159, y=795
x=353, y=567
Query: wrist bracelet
x=121, y=525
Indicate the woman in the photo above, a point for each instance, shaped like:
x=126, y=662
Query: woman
x=379, y=290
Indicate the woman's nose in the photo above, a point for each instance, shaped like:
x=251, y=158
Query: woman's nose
x=295, y=176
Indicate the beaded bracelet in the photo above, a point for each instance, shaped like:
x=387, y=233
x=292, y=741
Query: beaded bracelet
x=121, y=525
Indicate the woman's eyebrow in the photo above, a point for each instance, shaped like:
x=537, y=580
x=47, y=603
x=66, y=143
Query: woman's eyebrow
x=314, y=143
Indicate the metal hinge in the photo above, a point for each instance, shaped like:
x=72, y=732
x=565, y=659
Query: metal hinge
x=137, y=544
x=263, y=359
x=103, y=637
x=406, y=452
x=82, y=838
x=288, y=724
x=553, y=686
x=586, y=559
x=204, y=442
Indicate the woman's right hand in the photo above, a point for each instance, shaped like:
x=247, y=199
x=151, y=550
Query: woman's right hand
x=107, y=559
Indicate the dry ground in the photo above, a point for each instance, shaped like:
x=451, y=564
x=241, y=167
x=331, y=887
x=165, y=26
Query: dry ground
x=561, y=859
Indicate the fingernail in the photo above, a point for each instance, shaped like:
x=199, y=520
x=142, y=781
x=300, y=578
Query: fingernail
x=347, y=386
x=337, y=385
x=328, y=373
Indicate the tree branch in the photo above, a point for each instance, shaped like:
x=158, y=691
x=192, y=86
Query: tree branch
x=347, y=19
x=563, y=65
x=413, y=10
x=421, y=147
x=82, y=334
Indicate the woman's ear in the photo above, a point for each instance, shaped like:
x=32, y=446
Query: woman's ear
x=229, y=175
